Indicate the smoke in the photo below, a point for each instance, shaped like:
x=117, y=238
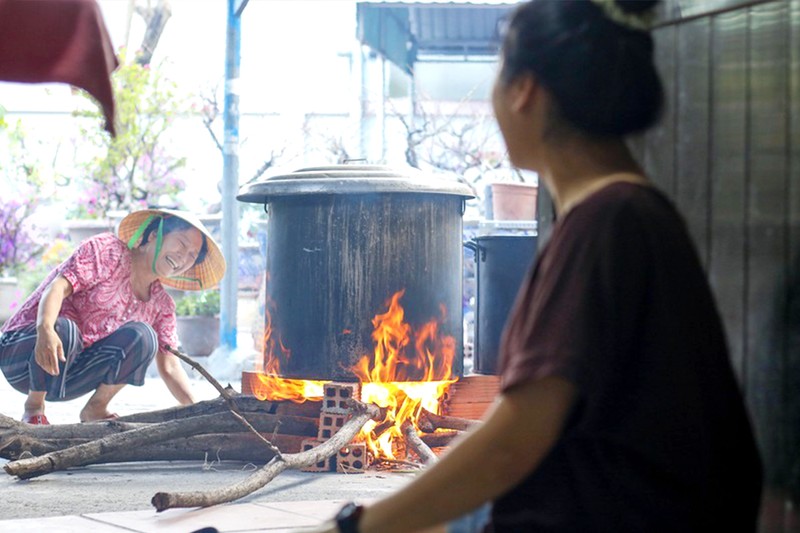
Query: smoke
x=226, y=365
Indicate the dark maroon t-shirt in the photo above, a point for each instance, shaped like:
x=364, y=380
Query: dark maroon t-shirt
x=659, y=439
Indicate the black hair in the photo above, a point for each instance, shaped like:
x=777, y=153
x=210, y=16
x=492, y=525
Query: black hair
x=599, y=72
x=171, y=224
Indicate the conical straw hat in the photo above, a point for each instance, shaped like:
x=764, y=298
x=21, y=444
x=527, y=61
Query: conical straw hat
x=204, y=275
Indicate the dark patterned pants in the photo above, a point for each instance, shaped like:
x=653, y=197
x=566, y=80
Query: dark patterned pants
x=122, y=357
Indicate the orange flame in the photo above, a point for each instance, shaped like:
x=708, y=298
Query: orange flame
x=273, y=387
x=410, y=370
x=386, y=376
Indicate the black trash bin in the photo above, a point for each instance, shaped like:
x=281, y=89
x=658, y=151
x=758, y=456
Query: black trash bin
x=501, y=264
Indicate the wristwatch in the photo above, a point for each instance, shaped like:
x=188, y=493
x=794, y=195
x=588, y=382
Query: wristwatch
x=347, y=517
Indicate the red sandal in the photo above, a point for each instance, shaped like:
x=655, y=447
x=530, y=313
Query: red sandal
x=36, y=420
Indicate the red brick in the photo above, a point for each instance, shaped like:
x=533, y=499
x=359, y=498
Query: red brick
x=352, y=459
x=329, y=424
x=336, y=395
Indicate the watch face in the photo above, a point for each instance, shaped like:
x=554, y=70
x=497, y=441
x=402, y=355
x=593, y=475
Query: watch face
x=347, y=518
x=347, y=511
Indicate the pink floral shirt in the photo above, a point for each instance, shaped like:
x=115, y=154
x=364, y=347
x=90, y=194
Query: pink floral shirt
x=102, y=299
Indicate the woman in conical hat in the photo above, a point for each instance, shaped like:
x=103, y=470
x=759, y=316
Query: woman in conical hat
x=98, y=319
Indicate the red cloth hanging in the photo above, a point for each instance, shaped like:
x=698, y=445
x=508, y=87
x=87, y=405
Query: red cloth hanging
x=58, y=41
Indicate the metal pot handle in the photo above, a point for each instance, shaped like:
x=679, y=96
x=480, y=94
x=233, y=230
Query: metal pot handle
x=473, y=245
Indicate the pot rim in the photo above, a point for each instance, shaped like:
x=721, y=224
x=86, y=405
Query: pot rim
x=350, y=179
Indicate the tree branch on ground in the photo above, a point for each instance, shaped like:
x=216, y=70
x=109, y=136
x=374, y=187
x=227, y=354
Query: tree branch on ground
x=361, y=413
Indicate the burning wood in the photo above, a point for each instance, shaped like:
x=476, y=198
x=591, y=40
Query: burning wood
x=440, y=439
x=408, y=373
x=430, y=422
x=424, y=453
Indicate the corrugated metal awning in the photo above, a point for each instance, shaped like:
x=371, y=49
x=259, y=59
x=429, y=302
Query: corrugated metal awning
x=407, y=32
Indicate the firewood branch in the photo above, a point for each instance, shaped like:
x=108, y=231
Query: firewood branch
x=440, y=438
x=413, y=441
x=430, y=422
x=39, y=440
x=225, y=394
x=362, y=412
x=89, y=452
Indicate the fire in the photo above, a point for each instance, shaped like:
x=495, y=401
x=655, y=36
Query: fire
x=410, y=370
x=274, y=387
x=402, y=355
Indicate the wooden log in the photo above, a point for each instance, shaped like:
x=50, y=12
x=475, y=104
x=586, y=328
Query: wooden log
x=440, y=438
x=246, y=404
x=309, y=408
x=10, y=427
x=165, y=500
x=382, y=428
x=39, y=440
x=225, y=393
x=210, y=447
x=217, y=423
x=243, y=447
x=90, y=452
x=430, y=422
x=413, y=441
x=251, y=385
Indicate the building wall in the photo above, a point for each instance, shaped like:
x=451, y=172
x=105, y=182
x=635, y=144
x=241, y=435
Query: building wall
x=728, y=153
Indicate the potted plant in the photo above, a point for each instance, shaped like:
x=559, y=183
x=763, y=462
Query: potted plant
x=198, y=322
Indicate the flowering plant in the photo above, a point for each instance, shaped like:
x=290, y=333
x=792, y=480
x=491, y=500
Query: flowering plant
x=19, y=245
x=134, y=169
x=20, y=180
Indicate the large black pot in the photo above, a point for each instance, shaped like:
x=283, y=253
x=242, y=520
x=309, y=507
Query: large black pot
x=501, y=264
x=340, y=242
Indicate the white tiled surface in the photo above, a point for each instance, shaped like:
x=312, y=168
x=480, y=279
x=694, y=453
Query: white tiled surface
x=57, y=524
x=286, y=516
x=230, y=518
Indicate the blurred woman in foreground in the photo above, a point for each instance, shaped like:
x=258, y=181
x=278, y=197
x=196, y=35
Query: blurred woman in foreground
x=619, y=410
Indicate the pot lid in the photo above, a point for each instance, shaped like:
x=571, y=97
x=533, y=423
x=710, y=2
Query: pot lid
x=350, y=179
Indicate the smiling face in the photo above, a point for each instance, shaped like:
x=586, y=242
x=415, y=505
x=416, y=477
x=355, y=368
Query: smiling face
x=179, y=250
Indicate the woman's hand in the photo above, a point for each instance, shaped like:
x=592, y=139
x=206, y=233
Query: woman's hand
x=49, y=350
x=174, y=376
